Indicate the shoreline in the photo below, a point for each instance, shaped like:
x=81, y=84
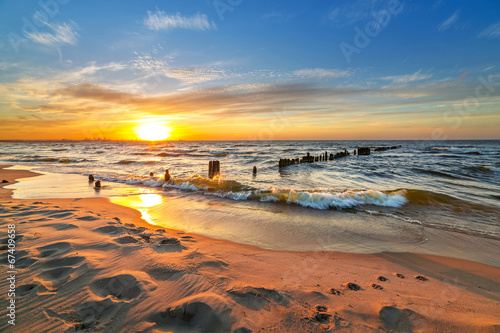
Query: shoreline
x=223, y=285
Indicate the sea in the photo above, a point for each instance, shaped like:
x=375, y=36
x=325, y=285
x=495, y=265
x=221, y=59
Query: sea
x=436, y=197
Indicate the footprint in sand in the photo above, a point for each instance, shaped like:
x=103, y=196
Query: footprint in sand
x=398, y=320
x=110, y=230
x=167, y=273
x=58, y=271
x=87, y=218
x=319, y=315
x=352, y=286
x=126, y=240
x=166, y=244
x=193, y=316
x=257, y=298
x=124, y=286
x=54, y=248
x=334, y=291
x=62, y=226
x=26, y=289
x=62, y=214
x=87, y=316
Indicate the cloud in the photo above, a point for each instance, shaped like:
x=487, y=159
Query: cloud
x=448, y=23
x=247, y=101
x=61, y=34
x=321, y=73
x=151, y=66
x=160, y=20
x=404, y=79
x=493, y=31
x=355, y=11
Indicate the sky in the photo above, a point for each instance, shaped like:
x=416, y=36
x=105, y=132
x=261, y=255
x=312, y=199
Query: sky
x=250, y=69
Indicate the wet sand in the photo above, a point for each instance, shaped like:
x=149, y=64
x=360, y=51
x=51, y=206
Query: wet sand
x=92, y=265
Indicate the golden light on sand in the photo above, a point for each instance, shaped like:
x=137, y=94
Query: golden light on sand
x=151, y=199
x=153, y=131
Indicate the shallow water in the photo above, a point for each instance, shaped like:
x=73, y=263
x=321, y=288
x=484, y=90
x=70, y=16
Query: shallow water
x=397, y=199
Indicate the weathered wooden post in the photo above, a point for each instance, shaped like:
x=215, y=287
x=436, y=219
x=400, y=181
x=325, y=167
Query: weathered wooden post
x=216, y=168
x=211, y=169
x=254, y=170
x=364, y=151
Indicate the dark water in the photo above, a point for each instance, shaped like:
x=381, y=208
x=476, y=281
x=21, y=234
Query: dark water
x=445, y=185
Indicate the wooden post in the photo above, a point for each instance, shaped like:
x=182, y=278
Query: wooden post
x=211, y=169
x=254, y=170
x=216, y=168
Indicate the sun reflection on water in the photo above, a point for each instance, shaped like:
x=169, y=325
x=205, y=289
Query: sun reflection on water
x=142, y=202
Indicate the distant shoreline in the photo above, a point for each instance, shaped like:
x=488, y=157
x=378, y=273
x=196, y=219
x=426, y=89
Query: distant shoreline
x=287, y=140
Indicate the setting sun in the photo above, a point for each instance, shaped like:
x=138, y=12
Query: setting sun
x=153, y=131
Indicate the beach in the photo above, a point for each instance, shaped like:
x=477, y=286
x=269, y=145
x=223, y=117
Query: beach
x=92, y=265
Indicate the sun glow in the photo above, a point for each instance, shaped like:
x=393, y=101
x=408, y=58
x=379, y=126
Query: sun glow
x=153, y=131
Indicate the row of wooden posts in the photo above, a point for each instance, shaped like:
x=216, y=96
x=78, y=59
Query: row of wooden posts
x=323, y=157
x=214, y=166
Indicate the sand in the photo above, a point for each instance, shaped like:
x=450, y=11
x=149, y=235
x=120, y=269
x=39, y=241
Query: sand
x=91, y=265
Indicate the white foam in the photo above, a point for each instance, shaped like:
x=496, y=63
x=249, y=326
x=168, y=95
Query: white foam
x=326, y=200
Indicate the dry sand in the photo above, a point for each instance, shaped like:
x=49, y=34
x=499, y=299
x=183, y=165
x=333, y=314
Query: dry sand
x=90, y=265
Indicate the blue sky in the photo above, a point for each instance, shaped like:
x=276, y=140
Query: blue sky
x=232, y=69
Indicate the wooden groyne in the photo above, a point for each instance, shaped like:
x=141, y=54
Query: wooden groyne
x=283, y=162
x=386, y=148
x=213, y=169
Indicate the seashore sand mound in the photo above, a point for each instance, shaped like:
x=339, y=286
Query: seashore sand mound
x=92, y=266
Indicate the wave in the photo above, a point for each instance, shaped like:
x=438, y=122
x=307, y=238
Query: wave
x=245, y=145
x=484, y=168
x=225, y=153
x=490, y=168
x=436, y=173
x=126, y=162
x=444, y=201
x=322, y=199
x=468, y=150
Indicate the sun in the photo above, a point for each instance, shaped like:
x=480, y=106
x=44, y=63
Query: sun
x=153, y=131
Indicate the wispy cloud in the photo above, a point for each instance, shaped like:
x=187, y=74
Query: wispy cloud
x=61, y=34
x=404, y=79
x=160, y=20
x=493, y=31
x=355, y=11
x=321, y=73
x=448, y=23
x=152, y=66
